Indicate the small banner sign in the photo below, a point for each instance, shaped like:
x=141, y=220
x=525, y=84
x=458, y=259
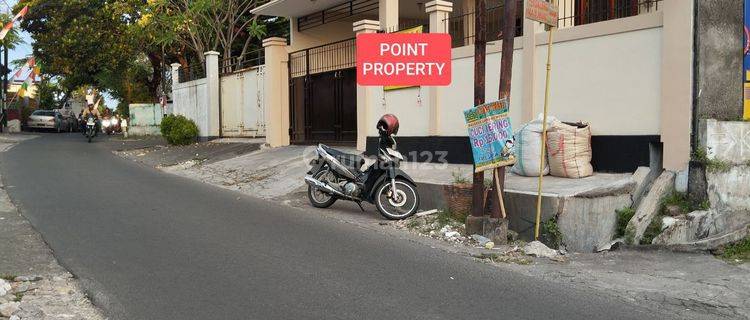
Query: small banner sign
x=417, y=29
x=403, y=59
x=490, y=135
x=542, y=11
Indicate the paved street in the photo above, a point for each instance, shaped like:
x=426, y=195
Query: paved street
x=148, y=245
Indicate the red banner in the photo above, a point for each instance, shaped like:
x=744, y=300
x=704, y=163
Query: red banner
x=409, y=59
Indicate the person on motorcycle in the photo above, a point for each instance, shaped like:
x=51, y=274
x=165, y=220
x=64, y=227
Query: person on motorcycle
x=92, y=110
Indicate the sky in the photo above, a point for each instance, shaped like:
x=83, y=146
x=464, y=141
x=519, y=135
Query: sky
x=24, y=50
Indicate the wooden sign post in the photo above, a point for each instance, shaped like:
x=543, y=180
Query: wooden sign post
x=547, y=13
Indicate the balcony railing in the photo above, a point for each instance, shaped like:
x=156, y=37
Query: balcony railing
x=462, y=30
x=571, y=13
x=328, y=57
x=580, y=12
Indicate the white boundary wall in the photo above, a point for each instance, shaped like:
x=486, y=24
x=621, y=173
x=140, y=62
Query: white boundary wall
x=190, y=99
x=611, y=80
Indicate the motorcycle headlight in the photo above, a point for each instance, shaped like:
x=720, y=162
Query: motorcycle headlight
x=114, y=122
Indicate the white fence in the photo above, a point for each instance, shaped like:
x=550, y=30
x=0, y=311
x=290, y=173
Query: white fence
x=230, y=105
x=190, y=99
x=242, y=103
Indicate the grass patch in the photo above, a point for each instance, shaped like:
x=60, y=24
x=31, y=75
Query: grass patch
x=551, y=234
x=623, y=217
x=653, y=230
x=678, y=199
x=7, y=277
x=738, y=252
x=712, y=165
x=17, y=297
x=446, y=217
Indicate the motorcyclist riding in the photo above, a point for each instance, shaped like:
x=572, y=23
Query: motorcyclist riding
x=91, y=110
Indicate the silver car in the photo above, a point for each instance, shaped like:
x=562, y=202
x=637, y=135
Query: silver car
x=48, y=119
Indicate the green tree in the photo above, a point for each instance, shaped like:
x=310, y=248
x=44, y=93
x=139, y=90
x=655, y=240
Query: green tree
x=198, y=26
x=86, y=42
x=49, y=94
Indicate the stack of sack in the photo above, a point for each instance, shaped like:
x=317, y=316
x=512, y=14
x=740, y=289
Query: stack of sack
x=568, y=149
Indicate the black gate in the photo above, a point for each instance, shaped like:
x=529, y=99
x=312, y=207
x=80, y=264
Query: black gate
x=323, y=94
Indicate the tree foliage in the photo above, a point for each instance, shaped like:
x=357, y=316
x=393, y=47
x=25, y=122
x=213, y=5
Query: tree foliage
x=89, y=42
x=197, y=26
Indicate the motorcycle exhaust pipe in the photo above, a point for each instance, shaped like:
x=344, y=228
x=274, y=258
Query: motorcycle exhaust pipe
x=326, y=188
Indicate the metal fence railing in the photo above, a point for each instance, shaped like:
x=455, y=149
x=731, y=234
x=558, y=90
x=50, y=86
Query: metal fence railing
x=191, y=72
x=571, y=13
x=580, y=12
x=328, y=57
x=462, y=30
x=345, y=11
x=250, y=59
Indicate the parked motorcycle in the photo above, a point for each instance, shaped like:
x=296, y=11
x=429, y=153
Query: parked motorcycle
x=336, y=175
x=90, y=127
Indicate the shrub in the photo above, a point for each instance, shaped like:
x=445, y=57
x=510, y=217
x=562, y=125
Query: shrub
x=623, y=217
x=737, y=252
x=166, y=124
x=551, y=234
x=178, y=130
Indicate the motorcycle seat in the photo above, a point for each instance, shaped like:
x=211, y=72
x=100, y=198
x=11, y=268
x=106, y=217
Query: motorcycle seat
x=351, y=161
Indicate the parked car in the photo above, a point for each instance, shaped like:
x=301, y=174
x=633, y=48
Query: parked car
x=49, y=119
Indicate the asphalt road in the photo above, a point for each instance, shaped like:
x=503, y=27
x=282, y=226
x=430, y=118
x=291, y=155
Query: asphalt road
x=148, y=245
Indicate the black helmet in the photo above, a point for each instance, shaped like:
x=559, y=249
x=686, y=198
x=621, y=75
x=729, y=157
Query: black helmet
x=388, y=124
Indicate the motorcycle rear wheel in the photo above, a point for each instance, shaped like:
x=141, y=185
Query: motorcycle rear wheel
x=320, y=199
x=405, y=205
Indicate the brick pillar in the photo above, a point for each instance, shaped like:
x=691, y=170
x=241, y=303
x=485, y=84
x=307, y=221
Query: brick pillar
x=276, y=91
x=213, y=113
x=364, y=93
x=438, y=11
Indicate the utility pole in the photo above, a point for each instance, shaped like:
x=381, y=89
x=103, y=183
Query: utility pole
x=475, y=223
x=506, y=74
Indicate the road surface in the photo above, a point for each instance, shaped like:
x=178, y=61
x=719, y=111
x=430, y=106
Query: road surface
x=148, y=245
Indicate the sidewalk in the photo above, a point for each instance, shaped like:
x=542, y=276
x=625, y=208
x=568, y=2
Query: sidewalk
x=32, y=283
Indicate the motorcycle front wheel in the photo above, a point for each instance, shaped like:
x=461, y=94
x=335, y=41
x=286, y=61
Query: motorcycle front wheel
x=401, y=206
x=319, y=198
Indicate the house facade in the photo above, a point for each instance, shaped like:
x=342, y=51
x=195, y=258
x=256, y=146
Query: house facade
x=623, y=66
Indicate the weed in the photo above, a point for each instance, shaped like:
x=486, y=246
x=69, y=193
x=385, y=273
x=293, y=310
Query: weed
x=551, y=234
x=678, y=199
x=8, y=277
x=653, y=230
x=413, y=224
x=17, y=297
x=712, y=165
x=737, y=252
x=445, y=217
x=458, y=177
x=504, y=258
x=629, y=235
x=705, y=205
x=623, y=218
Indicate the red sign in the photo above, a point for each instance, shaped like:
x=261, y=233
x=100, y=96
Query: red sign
x=541, y=11
x=408, y=59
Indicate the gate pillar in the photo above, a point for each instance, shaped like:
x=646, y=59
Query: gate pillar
x=364, y=93
x=276, y=92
